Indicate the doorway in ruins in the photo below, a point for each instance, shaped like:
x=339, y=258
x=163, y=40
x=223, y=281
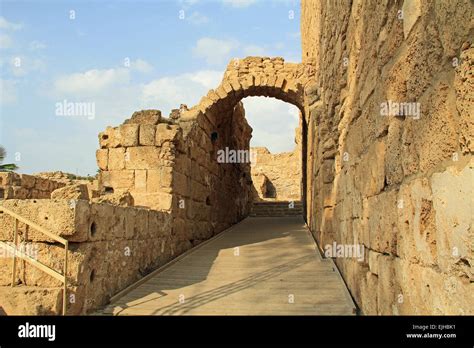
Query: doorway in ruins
x=276, y=150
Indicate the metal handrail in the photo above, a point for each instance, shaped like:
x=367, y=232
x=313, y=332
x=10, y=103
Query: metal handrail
x=32, y=261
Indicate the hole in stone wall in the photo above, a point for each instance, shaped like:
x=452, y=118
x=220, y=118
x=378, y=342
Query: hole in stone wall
x=105, y=137
x=214, y=136
x=208, y=200
x=108, y=189
x=46, y=218
x=270, y=190
x=93, y=229
x=92, y=276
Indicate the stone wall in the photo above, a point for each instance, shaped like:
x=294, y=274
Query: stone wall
x=171, y=166
x=181, y=195
x=276, y=176
x=23, y=186
x=398, y=184
x=110, y=247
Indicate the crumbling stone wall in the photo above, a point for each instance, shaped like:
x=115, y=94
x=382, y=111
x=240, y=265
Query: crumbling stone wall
x=400, y=185
x=171, y=166
x=253, y=76
x=137, y=157
x=181, y=196
x=276, y=176
x=110, y=247
x=24, y=186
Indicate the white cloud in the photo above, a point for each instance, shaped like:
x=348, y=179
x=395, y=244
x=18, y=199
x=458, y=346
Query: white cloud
x=214, y=51
x=295, y=35
x=187, y=3
x=116, y=96
x=22, y=65
x=5, y=41
x=169, y=92
x=36, y=45
x=207, y=78
x=197, y=18
x=254, y=50
x=8, y=92
x=273, y=122
x=4, y=24
x=239, y=3
x=141, y=66
x=91, y=82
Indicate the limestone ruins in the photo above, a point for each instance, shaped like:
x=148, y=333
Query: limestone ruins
x=399, y=185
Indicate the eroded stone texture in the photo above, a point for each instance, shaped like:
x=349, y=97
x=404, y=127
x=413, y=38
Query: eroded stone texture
x=276, y=176
x=399, y=185
x=24, y=186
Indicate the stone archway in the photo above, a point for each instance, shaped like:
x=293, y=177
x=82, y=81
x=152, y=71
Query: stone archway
x=254, y=76
x=257, y=76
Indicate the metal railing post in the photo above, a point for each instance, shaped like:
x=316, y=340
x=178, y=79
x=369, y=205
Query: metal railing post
x=65, y=277
x=15, y=239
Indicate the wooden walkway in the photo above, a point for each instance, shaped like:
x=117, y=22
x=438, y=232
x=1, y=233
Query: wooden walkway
x=261, y=266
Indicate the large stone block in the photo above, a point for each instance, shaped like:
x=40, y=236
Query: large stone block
x=141, y=180
x=166, y=133
x=102, y=158
x=109, y=138
x=6, y=178
x=76, y=191
x=382, y=219
x=118, y=179
x=161, y=201
x=147, y=134
x=116, y=159
x=370, y=173
x=128, y=135
x=417, y=240
x=143, y=157
x=28, y=181
x=65, y=218
x=453, y=192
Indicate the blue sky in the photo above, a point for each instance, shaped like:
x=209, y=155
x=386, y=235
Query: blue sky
x=124, y=56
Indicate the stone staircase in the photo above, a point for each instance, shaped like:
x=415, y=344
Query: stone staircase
x=276, y=209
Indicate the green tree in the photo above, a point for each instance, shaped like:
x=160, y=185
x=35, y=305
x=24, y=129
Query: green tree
x=6, y=167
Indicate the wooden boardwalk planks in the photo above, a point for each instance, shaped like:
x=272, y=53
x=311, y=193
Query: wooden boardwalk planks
x=262, y=266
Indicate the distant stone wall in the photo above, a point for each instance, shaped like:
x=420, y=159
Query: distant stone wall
x=23, y=186
x=399, y=185
x=276, y=176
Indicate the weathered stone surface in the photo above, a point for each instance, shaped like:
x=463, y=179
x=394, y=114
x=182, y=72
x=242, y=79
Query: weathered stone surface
x=147, y=134
x=30, y=300
x=77, y=191
x=116, y=159
x=400, y=182
x=102, y=156
x=123, y=199
x=276, y=176
x=150, y=117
